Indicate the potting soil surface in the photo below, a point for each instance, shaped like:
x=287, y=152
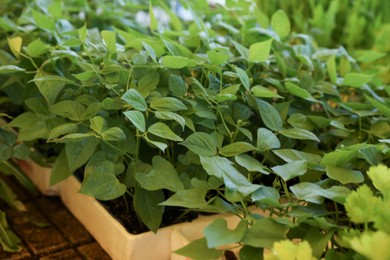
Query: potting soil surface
x=48, y=230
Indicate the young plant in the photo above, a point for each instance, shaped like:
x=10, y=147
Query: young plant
x=217, y=114
x=10, y=150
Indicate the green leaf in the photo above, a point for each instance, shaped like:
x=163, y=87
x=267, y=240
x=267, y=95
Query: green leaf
x=148, y=83
x=335, y=193
x=270, y=116
x=290, y=170
x=361, y=205
x=36, y=48
x=10, y=69
x=216, y=57
x=92, y=109
x=244, y=52
x=373, y=245
x=266, y=140
x=43, y=21
x=290, y=155
x=171, y=116
x=167, y=104
x=191, y=198
x=331, y=68
x=201, y=143
x=86, y=75
x=368, y=56
x=380, y=176
x=100, y=180
x=150, y=51
x=356, y=80
x=259, y=52
x=55, y=9
x=176, y=62
x=266, y=195
x=299, y=92
x=250, y=163
x=177, y=85
x=383, y=108
x=371, y=154
x=217, y=233
x=137, y=119
x=236, y=148
x=237, y=185
x=9, y=197
x=111, y=68
x=146, y=204
x=160, y=145
x=225, y=97
x=114, y=134
x=109, y=40
x=263, y=92
x=15, y=45
x=62, y=130
x=49, y=86
x=98, y=124
x=308, y=192
x=162, y=176
x=60, y=170
x=301, y=134
x=198, y=250
x=135, y=99
x=20, y=151
x=173, y=18
x=243, y=77
x=286, y=249
x=8, y=240
x=250, y=252
x=80, y=151
x=75, y=137
x=338, y=158
x=69, y=109
x=153, y=20
x=163, y=131
x=177, y=49
x=83, y=33
x=264, y=233
x=344, y=175
x=281, y=63
x=280, y=23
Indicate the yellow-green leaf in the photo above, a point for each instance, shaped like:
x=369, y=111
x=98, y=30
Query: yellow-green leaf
x=259, y=52
x=280, y=23
x=15, y=44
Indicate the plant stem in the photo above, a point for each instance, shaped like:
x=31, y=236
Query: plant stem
x=129, y=79
x=119, y=150
x=224, y=123
x=30, y=59
x=285, y=188
x=138, y=141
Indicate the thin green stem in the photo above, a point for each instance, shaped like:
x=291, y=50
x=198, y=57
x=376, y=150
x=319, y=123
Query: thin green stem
x=126, y=204
x=129, y=79
x=30, y=59
x=236, y=131
x=138, y=141
x=224, y=123
x=119, y=150
x=285, y=188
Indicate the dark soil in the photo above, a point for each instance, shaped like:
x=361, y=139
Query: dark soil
x=47, y=229
x=129, y=219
